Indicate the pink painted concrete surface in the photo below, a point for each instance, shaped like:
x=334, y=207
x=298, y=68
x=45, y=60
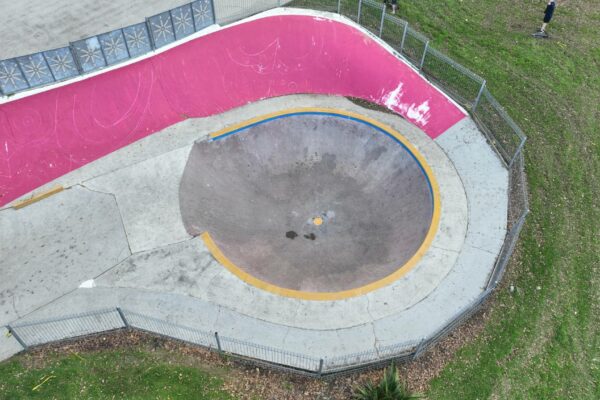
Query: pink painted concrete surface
x=49, y=134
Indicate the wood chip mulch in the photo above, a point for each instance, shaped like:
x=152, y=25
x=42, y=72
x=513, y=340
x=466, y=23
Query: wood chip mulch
x=249, y=382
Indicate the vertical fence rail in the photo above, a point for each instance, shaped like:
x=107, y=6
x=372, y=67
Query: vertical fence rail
x=382, y=21
x=359, y=11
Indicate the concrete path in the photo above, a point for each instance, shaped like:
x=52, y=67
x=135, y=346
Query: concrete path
x=174, y=277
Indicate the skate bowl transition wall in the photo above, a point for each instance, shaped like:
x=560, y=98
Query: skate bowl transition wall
x=317, y=204
x=48, y=134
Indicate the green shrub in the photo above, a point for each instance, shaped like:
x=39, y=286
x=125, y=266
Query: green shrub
x=389, y=388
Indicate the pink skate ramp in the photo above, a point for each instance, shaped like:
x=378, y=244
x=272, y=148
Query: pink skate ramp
x=49, y=134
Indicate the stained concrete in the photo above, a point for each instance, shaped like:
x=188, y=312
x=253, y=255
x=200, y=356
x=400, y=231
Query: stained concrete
x=50, y=247
x=147, y=196
x=9, y=346
x=217, y=285
x=181, y=283
x=267, y=183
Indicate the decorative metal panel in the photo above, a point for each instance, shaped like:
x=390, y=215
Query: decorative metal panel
x=89, y=54
x=138, y=39
x=35, y=69
x=11, y=78
x=113, y=46
x=203, y=14
x=161, y=29
x=61, y=63
x=183, y=21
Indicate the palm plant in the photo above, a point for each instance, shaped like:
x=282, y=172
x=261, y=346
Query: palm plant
x=389, y=388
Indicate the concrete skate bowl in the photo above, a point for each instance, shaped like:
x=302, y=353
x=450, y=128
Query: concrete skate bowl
x=311, y=204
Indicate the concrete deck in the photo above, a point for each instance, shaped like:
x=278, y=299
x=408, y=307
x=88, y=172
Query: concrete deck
x=118, y=227
x=172, y=275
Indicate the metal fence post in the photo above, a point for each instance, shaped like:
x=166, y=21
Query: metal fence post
x=320, y=371
x=403, y=37
x=476, y=102
x=212, y=8
x=419, y=349
x=150, y=35
x=382, y=19
x=339, y=6
x=23, y=73
x=218, y=342
x=75, y=59
x=517, y=153
x=424, y=54
x=17, y=338
x=125, y=322
x=359, y=11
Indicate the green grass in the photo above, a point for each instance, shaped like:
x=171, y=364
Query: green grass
x=137, y=373
x=538, y=344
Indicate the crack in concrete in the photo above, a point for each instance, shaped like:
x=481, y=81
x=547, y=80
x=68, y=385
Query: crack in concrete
x=372, y=323
x=114, y=196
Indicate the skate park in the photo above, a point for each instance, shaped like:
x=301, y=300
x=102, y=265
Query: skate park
x=251, y=198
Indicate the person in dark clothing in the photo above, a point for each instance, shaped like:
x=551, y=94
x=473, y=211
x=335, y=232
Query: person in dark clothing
x=394, y=4
x=548, y=13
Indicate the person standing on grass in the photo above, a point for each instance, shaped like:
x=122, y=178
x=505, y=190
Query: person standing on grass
x=394, y=5
x=548, y=13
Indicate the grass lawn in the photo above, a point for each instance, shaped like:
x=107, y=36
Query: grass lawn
x=137, y=373
x=542, y=341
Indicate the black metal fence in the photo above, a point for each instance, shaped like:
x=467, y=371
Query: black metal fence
x=464, y=86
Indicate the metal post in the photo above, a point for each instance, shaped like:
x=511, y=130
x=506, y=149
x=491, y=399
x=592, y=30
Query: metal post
x=17, y=338
x=339, y=6
x=125, y=322
x=75, y=59
x=102, y=50
x=476, y=102
x=517, y=153
x=359, y=11
x=382, y=19
x=212, y=8
x=320, y=371
x=403, y=37
x=23, y=73
x=424, y=54
x=218, y=342
x=150, y=35
x=420, y=348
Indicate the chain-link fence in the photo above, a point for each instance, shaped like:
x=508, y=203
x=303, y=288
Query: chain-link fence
x=464, y=86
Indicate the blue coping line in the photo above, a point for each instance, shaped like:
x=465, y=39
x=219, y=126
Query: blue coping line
x=339, y=116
